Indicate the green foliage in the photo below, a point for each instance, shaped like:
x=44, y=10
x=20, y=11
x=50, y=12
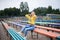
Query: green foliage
x=43, y=11
x=2, y=13
x=10, y=12
x=49, y=9
x=40, y=11
x=24, y=8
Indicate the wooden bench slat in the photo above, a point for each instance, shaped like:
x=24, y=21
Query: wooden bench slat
x=49, y=34
x=48, y=28
x=19, y=36
x=5, y=25
x=14, y=35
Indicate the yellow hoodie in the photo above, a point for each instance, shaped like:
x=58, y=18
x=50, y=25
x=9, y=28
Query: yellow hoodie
x=31, y=20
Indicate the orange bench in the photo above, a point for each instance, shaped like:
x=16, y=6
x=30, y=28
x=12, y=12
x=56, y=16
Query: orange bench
x=5, y=25
x=48, y=28
x=47, y=33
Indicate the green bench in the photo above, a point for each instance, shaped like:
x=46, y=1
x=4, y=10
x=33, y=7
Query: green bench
x=13, y=34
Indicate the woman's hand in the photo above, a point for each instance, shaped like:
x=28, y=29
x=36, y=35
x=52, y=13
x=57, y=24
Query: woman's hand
x=30, y=15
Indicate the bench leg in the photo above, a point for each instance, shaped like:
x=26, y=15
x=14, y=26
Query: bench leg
x=58, y=38
x=16, y=27
x=7, y=33
x=31, y=34
x=10, y=37
x=51, y=38
x=37, y=35
x=13, y=25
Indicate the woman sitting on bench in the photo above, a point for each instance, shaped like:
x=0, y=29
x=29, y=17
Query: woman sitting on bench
x=30, y=25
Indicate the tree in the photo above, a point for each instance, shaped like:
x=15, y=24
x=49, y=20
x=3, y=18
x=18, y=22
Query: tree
x=24, y=9
x=21, y=6
x=37, y=11
x=57, y=11
x=49, y=10
x=40, y=10
x=6, y=12
x=2, y=13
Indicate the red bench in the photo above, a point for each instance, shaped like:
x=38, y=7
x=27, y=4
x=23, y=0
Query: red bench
x=50, y=34
x=48, y=28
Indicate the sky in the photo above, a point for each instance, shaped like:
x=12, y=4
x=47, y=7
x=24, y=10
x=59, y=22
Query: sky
x=31, y=3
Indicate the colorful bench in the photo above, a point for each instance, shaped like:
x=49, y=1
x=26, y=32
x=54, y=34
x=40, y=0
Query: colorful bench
x=47, y=33
x=13, y=33
x=48, y=28
x=56, y=25
x=49, y=24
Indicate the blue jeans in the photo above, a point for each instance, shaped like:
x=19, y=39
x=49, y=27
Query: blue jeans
x=27, y=28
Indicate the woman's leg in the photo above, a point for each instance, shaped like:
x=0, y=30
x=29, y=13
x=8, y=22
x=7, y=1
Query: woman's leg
x=25, y=27
x=28, y=29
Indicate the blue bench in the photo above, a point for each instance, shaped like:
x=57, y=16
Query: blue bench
x=46, y=23
x=53, y=21
x=15, y=24
x=13, y=34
